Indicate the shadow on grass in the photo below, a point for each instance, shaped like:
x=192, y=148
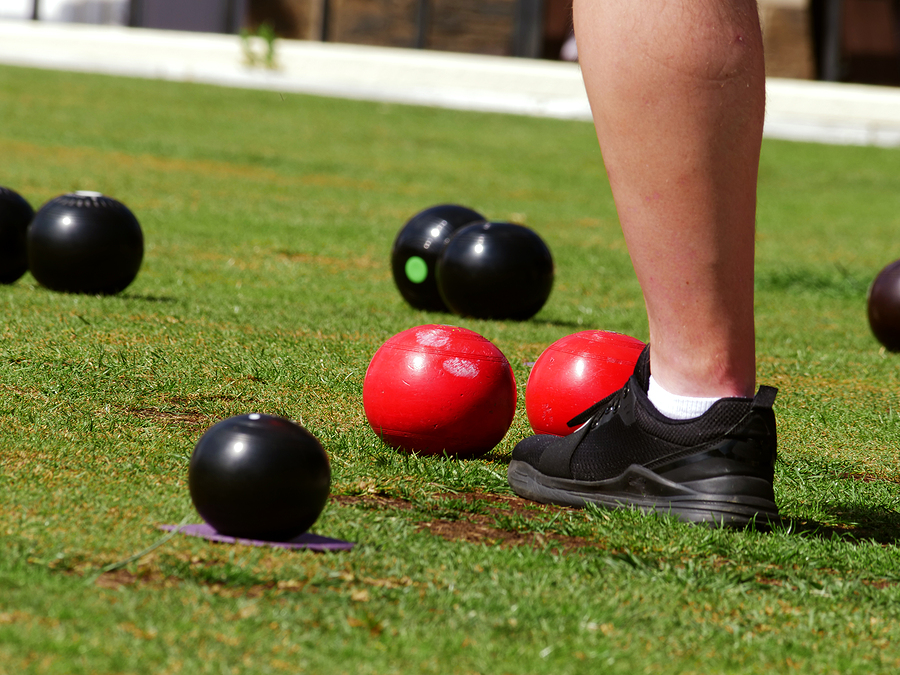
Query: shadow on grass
x=148, y=298
x=214, y=571
x=558, y=323
x=851, y=523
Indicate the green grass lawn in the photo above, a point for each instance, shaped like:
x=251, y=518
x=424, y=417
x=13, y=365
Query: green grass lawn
x=266, y=287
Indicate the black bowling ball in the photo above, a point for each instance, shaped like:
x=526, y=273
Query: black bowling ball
x=416, y=250
x=259, y=477
x=495, y=271
x=15, y=214
x=85, y=242
x=884, y=306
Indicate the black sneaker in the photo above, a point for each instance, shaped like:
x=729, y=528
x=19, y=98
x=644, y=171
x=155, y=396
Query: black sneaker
x=716, y=468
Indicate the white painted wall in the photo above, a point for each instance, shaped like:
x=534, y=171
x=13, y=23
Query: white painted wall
x=108, y=12
x=16, y=9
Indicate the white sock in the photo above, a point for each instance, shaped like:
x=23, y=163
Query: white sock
x=677, y=407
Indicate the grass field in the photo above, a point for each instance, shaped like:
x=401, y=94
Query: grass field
x=266, y=287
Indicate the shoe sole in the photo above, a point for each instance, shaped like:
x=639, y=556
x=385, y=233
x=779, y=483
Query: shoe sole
x=719, y=501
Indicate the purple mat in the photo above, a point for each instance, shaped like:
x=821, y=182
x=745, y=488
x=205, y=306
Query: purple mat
x=313, y=542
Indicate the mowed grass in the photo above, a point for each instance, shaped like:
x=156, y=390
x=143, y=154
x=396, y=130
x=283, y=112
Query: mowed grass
x=266, y=287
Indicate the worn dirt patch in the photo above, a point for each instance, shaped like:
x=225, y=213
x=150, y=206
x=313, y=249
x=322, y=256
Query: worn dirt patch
x=478, y=527
x=119, y=579
x=479, y=533
x=866, y=478
x=182, y=410
x=169, y=417
x=491, y=503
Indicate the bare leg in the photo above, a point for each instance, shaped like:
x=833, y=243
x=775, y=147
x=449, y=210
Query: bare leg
x=678, y=94
x=677, y=89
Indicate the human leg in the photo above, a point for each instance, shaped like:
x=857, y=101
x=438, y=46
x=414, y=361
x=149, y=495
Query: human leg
x=677, y=88
x=677, y=91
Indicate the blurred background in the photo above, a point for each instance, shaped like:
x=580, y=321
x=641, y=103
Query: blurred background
x=831, y=40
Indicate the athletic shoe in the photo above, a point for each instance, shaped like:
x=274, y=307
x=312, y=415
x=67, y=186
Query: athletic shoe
x=717, y=468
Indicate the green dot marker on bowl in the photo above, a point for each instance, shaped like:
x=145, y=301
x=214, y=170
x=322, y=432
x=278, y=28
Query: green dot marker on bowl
x=416, y=269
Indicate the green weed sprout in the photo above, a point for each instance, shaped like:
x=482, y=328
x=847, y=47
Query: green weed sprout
x=250, y=38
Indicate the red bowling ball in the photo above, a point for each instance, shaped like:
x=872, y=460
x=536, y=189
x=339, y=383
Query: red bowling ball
x=574, y=373
x=435, y=389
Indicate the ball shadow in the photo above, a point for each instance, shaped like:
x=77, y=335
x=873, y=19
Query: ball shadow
x=562, y=324
x=164, y=299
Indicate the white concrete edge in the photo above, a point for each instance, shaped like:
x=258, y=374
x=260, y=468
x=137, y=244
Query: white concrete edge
x=796, y=110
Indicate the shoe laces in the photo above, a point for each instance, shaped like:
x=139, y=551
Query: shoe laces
x=600, y=411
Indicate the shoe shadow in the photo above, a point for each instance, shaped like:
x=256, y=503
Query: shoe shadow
x=851, y=523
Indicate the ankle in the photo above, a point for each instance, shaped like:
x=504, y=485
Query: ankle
x=688, y=373
x=678, y=407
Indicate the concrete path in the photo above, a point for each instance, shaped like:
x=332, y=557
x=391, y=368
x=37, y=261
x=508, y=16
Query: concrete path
x=797, y=110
